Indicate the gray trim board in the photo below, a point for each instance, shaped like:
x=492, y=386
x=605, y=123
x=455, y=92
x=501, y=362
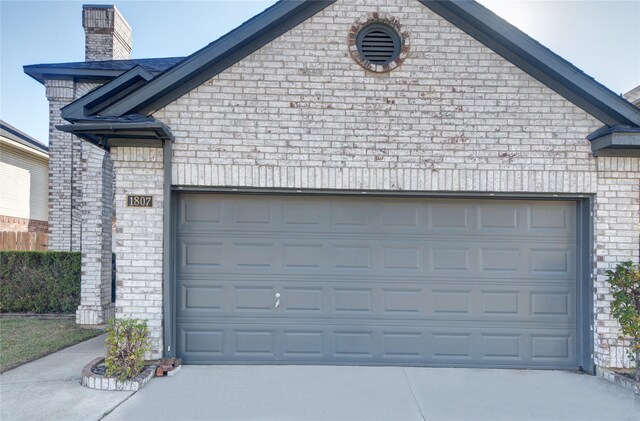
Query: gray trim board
x=140, y=132
x=43, y=73
x=584, y=297
x=385, y=193
x=100, y=70
x=537, y=60
x=100, y=98
x=617, y=144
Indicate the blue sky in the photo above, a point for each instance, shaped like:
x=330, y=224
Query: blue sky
x=600, y=37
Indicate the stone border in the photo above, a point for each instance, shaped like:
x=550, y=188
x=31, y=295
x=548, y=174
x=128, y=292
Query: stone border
x=619, y=379
x=95, y=381
x=384, y=18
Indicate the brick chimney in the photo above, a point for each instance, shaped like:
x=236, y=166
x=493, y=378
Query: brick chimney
x=107, y=33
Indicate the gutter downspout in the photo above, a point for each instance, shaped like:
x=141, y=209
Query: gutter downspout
x=167, y=270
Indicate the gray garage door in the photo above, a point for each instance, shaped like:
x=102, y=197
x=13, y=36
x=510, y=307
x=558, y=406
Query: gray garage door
x=371, y=280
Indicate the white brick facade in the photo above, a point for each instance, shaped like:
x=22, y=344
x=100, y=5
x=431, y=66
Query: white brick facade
x=64, y=172
x=616, y=236
x=96, y=209
x=139, y=242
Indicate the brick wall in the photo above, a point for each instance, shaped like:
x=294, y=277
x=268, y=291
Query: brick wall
x=139, y=238
x=96, y=206
x=455, y=116
x=64, y=172
x=617, y=240
x=13, y=223
x=65, y=168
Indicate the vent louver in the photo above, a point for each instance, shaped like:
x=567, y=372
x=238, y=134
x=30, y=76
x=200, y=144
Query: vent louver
x=378, y=44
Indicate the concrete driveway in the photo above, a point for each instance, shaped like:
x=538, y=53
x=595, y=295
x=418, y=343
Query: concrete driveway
x=49, y=389
x=376, y=393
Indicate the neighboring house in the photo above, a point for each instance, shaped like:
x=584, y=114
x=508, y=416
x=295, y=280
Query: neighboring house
x=394, y=182
x=24, y=180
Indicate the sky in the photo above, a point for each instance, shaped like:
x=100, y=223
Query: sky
x=600, y=37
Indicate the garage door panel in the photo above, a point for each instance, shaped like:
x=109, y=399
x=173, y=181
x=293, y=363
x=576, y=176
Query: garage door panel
x=419, y=345
x=378, y=257
x=452, y=217
x=373, y=280
x=377, y=300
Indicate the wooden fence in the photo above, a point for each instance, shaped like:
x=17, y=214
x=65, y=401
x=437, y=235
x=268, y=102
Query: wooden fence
x=22, y=240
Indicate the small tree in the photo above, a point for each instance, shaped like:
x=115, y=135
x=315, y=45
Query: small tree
x=126, y=344
x=625, y=307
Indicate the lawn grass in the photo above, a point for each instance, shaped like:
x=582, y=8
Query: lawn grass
x=24, y=340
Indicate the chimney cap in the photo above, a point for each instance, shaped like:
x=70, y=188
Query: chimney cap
x=98, y=6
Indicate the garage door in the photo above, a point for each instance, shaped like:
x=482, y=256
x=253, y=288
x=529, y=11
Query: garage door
x=373, y=280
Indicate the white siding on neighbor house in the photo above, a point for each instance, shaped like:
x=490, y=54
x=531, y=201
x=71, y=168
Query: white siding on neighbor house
x=23, y=183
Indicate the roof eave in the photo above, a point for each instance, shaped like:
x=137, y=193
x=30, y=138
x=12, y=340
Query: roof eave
x=106, y=134
x=617, y=143
x=10, y=132
x=42, y=73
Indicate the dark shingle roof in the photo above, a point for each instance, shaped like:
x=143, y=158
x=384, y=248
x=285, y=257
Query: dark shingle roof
x=99, y=69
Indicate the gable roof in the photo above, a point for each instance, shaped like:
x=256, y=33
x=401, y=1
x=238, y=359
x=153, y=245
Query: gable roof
x=107, y=69
x=97, y=100
x=471, y=17
x=468, y=15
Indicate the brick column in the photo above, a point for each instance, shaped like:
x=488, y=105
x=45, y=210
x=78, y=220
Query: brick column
x=97, y=212
x=64, y=172
x=139, y=239
x=617, y=220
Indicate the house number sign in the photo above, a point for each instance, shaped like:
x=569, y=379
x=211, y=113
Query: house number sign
x=137, y=201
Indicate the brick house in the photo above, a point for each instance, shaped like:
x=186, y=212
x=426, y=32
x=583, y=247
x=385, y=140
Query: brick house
x=409, y=182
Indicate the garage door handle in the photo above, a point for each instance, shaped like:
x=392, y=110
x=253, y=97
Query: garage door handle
x=277, y=303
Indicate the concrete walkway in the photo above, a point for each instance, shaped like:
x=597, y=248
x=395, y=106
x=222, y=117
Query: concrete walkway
x=49, y=389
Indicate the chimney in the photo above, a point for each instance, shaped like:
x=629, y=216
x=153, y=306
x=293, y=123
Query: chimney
x=107, y=33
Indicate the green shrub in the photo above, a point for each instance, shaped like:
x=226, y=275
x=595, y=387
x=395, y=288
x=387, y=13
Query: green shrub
x=625, y=307
x=39, y=282
x=126, y=344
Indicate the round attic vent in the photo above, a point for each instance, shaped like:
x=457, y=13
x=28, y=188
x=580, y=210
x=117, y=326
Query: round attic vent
x=378, y=43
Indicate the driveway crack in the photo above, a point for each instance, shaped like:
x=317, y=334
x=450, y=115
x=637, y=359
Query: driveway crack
x=413, y=394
